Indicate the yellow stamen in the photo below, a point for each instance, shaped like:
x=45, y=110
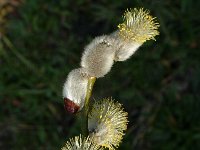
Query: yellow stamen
x=138, y=26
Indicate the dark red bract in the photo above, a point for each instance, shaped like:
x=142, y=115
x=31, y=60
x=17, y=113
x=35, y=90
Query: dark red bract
x=70, y=106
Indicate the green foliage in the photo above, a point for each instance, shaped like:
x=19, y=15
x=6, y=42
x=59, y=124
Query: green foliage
x=159, y=86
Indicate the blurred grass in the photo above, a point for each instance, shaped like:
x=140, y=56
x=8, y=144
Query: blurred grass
x=159, y=86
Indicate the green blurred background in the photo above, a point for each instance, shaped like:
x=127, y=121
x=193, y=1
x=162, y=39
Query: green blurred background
x=42, y=40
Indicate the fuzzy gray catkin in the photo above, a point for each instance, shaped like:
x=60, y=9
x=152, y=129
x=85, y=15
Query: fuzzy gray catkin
x=100, y=54
x=74, y=90
x=98, y=57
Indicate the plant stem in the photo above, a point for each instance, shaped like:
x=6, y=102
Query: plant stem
x=90, y=85
x=85, y=111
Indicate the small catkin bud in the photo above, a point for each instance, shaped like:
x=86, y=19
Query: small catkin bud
x=98, y=56
x=74, y=90
x=107, y=122
x=81, y=143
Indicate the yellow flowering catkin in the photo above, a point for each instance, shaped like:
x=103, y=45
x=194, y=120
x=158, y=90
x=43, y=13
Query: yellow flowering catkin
x=138, y=26
x=107, y=122
x=81, y=143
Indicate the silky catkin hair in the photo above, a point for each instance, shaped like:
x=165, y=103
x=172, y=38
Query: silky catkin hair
x=124, y=49
x=75, y=87
x=98, y=56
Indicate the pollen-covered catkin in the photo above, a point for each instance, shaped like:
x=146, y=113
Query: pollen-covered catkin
x=107, y=122
x=98, y=57
x=138, y=27
x=81, y=143
x=74, y=90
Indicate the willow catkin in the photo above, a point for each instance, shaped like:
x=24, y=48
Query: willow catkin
x=74, y=90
